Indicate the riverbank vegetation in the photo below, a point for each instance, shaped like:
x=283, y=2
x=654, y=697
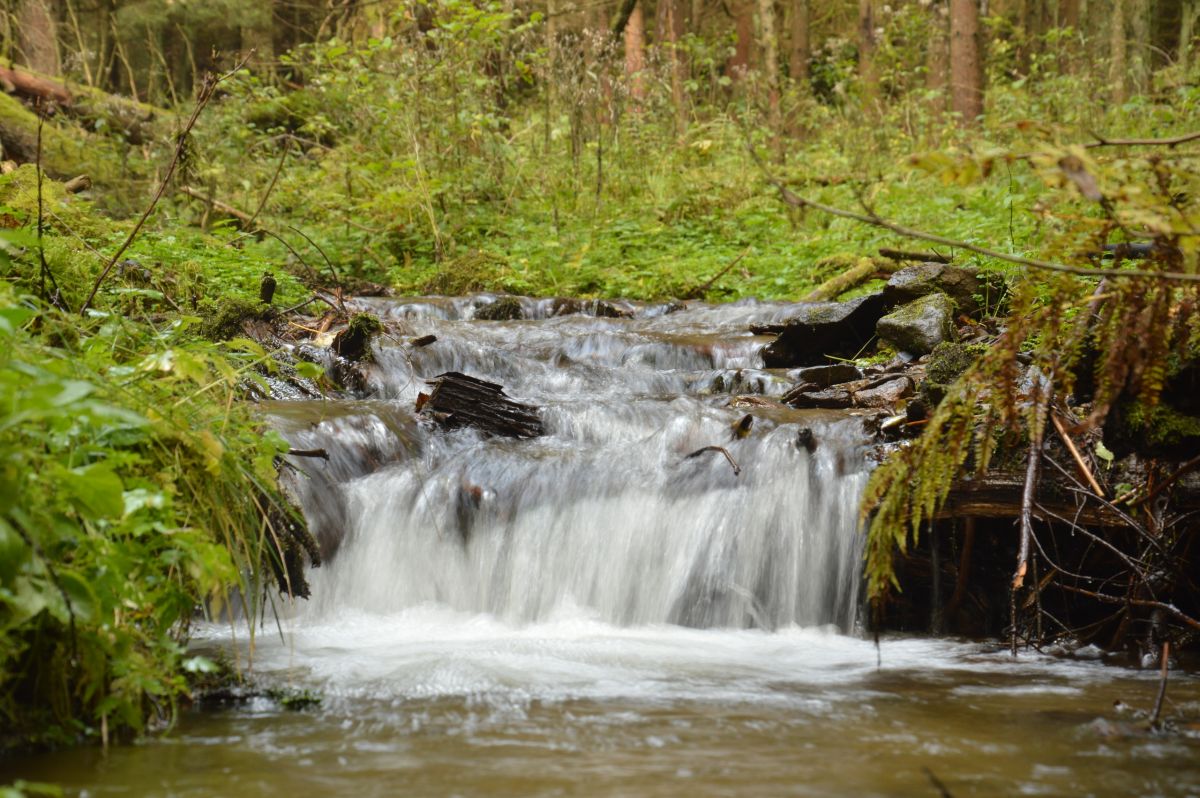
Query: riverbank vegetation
x=592, y=150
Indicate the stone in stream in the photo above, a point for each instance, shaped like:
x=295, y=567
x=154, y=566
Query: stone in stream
x=817, y=329
x=885, y=394
x=963, y=286
x=830, y=399
x=828, y=375
x=920, y=325
x=461, y=401
x=506, y=308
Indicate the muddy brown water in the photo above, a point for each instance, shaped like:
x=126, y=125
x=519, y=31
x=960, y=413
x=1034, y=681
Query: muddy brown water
x=595, y=613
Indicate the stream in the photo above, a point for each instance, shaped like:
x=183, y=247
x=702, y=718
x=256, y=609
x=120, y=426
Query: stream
x=597, y=612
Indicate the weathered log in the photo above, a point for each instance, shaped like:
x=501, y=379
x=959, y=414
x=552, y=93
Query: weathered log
x=866, y=269
x=35, y=87
x=461, y=401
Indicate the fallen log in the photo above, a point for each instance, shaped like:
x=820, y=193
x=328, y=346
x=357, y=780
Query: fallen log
x=461, y=401
x=919, y=257
x=34, y=87
x=862, y=271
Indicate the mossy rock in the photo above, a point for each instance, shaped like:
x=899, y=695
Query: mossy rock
x=947, y=362
x=506, y=308
x=228, y=318
x=1159, y=431
x=919, y=326
x=354, y=342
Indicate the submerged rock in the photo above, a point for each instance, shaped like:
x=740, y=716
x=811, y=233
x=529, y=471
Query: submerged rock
x=919, y=326
x=824, y=328
x=506, y=308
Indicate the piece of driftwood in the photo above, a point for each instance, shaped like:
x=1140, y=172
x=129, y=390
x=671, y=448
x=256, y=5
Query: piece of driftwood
x=461, y=401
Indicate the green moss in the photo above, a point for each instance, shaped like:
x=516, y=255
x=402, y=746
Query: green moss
x=950, y=359
x=503, y=309
x=1160, y=430
x=225, y=318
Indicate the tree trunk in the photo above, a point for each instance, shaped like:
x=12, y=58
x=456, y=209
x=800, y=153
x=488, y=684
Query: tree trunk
x=966, y=67
x=635, y=52
x=674, y=29
x=1116, y=53
x=1187, y=31
x=801, y=49
x=867, y=73
x=38, y=36
x=739, y=64
x=770, y=60
x=1139, y=36
x=937, y=57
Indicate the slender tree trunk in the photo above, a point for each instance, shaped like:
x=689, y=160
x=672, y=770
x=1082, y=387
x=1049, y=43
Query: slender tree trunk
x=1116, y=53
x=966, y=67
x=38, y=36
x=674, y=28
x=1139, y=37
x=937, y=58
x=739, y=64
x=770, y=60
x=635, y=53
x=800, y=46
x=867, y=74
x=1187, y=31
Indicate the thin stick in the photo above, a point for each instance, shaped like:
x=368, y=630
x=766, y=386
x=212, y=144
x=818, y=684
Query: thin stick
x=1162, y=686
x=328, y=262
x=1171, y=609
x=206, y=92
x=737, y=469
x=1087, y=472
x=1028, y=494
x=873, y=219
x=1171, y=142
x=702, y=290
x=287, y=147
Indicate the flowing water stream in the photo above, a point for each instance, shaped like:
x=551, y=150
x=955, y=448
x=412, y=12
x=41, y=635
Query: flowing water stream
x=594, y=612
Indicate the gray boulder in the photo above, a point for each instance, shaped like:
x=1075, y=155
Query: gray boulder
x=817, y=329
x=919, y=326
x=831, y=374
x=961, y=285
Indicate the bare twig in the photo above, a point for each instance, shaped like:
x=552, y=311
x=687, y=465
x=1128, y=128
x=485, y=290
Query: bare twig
x=1087, y=472
x=1168, y=142
x=287, y=148
x=207, y=90
x=737, y=469
x=1162, y=685
x=698, y=293
x=1028, y=494
x=923, y=257
x=875, y=220
x=1170, y=609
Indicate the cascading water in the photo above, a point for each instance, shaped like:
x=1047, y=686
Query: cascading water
x=607, y=512
x=593, y=612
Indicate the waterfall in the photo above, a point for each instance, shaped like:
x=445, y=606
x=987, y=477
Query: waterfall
x=606, y=513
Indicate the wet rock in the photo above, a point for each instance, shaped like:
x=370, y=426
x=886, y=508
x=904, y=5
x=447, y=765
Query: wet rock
x=947, y=362
x=963, y=286
x=828, y=375
x=824, y=328
x=607, y=310
x=424, y=340
x=565, y=307
x=920, y=325
x=886, y=394
x=506, y=308
x=806, y=440
x=354, y=342
x=830, y=398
